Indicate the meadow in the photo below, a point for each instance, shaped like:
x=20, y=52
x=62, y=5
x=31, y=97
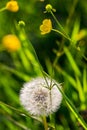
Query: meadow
x=43, y=65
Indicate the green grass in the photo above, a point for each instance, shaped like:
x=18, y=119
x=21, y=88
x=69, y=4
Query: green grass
x=58, y=55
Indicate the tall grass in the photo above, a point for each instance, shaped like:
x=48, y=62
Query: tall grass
x=66, y=64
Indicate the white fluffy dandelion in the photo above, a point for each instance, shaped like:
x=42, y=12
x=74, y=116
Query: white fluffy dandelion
x=38, y=98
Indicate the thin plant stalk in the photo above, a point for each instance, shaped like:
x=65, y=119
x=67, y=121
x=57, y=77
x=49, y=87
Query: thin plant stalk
x=2, y=9
x=9, y=109
x=73, y=109
x=62, y=29
x=23, y=33
x=71, y=12
x=61, y=34
x=45, y=123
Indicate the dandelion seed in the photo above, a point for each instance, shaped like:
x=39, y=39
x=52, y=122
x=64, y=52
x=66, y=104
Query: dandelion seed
x=46, y=26
x=12, y=6
x=11, y=43
x=38, y=99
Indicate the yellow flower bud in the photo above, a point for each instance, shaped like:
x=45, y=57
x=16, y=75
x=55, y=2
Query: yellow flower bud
x=48, y=7
x=21, y=23
x=12, y=6
x=46, y=26
x=11, y=43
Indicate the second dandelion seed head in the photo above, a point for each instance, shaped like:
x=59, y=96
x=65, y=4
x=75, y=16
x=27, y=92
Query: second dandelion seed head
x=37, y=97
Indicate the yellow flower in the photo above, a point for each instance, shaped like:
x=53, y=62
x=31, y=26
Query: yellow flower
x=46, y=26
x=12, y=6
x=11, y=43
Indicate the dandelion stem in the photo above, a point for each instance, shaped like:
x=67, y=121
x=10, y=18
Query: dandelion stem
x=45, y=123
x=2, y=9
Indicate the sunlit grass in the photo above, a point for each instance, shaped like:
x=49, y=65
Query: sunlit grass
x=66, y=64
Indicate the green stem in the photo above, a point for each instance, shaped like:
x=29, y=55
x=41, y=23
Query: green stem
x=23, y=33
x=7, y=108
x=71, y=12
x=45, y=123
x=17, y=73
x=73, y=109
x=2, y=9
x=59, y=25
x=61, y=34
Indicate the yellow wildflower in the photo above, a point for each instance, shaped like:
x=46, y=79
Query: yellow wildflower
x=46, y=26
x=11, y=42
x=12, y=6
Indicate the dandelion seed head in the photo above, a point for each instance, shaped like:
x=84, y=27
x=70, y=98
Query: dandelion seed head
x=38, y=99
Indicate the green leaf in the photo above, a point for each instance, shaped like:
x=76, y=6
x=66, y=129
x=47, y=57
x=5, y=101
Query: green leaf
x=5, y=108
x=22, y=126
x=85, y=81
x=70, y=79
x=21, y=75
x=75, y=29
x=9, y=109
x=80, y=90
x=8, y=89
x=24, y=61
x=72, y=61
x=73, y=109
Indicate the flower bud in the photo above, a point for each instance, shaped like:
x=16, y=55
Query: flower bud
x=48, y=7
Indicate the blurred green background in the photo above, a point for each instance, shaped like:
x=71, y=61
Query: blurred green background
x=70, y=68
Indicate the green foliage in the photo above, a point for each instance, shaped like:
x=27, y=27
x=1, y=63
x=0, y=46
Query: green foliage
x=61, y=55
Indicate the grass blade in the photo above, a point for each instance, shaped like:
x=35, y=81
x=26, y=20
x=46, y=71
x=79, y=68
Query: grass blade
x=19, y=74
x=85, y=81
x=73, y=109
x=72, y=61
